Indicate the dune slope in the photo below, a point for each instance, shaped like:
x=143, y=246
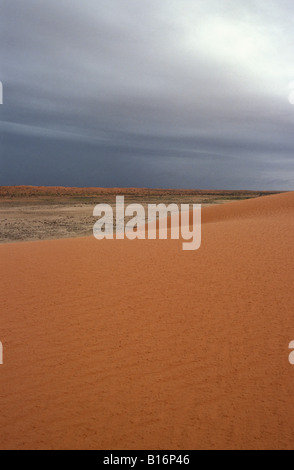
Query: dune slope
x=140, y=345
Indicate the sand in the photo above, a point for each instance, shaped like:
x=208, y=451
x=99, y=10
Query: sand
x=140, y=345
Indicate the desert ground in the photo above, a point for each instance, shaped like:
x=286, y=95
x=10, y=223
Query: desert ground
x=120, y=344
x=29, y=213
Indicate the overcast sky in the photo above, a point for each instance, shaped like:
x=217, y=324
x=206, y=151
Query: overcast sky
x=152, y=93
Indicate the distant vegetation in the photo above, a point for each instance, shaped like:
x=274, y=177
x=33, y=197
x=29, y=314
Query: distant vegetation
x=59, y=191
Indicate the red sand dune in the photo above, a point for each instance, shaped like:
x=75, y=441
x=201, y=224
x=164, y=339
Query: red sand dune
x=140, y=345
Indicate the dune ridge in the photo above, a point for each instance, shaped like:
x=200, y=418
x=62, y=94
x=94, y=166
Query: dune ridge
x=265, y=206
x=120, y=344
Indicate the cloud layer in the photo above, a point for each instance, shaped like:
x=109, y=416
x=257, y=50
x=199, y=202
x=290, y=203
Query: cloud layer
x=164, y=93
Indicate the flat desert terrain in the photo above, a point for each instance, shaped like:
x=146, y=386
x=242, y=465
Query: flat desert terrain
x=120, y=344
x=29, y=213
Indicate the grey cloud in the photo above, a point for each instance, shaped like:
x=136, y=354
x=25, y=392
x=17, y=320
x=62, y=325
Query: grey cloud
x=161, y=93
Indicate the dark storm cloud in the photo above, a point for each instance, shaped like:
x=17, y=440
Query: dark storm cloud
x=159, y=93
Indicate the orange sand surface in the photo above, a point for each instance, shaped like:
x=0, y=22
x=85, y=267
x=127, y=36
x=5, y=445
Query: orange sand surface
x=120, y=344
